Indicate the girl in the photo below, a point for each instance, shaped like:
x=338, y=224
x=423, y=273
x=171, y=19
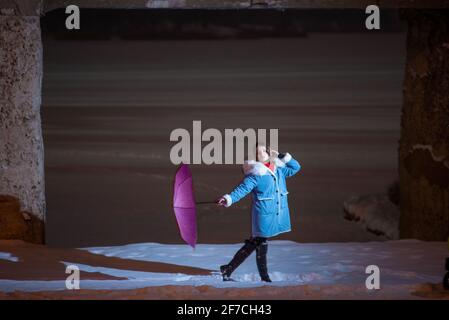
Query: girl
x=265, y=179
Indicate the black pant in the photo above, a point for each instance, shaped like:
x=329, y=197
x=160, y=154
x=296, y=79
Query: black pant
x=257, y=240
x=254, y=243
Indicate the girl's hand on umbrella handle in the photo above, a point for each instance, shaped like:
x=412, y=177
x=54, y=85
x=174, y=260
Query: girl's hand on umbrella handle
x=221, y=201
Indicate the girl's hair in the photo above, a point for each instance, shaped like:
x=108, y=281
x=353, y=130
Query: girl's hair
x=258, y=144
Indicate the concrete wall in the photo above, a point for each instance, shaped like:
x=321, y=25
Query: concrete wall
x=424, y=143
x=21, y=146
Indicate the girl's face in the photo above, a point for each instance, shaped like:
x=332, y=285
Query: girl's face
x=262, y=154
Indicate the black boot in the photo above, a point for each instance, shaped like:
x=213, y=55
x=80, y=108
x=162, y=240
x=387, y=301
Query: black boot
x=261, y=259
x=243, y=253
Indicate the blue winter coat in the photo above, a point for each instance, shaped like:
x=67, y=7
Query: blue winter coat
x=270, y=213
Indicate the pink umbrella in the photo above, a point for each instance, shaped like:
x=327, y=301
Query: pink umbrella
x=184, y=204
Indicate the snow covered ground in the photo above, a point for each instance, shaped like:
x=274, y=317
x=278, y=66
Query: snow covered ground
x=403, y=263
x=7, y=256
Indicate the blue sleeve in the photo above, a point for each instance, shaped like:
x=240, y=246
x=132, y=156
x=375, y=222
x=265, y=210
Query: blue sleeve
x=243, y=189
x=291, y=166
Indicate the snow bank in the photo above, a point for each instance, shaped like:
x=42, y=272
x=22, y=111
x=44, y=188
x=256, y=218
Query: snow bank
x=375, y=212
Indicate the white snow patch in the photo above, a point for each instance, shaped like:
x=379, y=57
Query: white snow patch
x=429, y=148
x=164, y=4
x=8, y=256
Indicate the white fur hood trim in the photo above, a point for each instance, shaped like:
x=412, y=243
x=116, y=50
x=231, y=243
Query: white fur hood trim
x=256, y=168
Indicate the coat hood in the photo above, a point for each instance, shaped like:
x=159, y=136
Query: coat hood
x=256, y=168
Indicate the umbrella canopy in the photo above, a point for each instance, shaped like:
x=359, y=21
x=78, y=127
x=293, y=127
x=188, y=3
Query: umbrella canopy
x=184, y=204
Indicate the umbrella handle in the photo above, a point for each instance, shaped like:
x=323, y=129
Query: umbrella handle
x=205, y=202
